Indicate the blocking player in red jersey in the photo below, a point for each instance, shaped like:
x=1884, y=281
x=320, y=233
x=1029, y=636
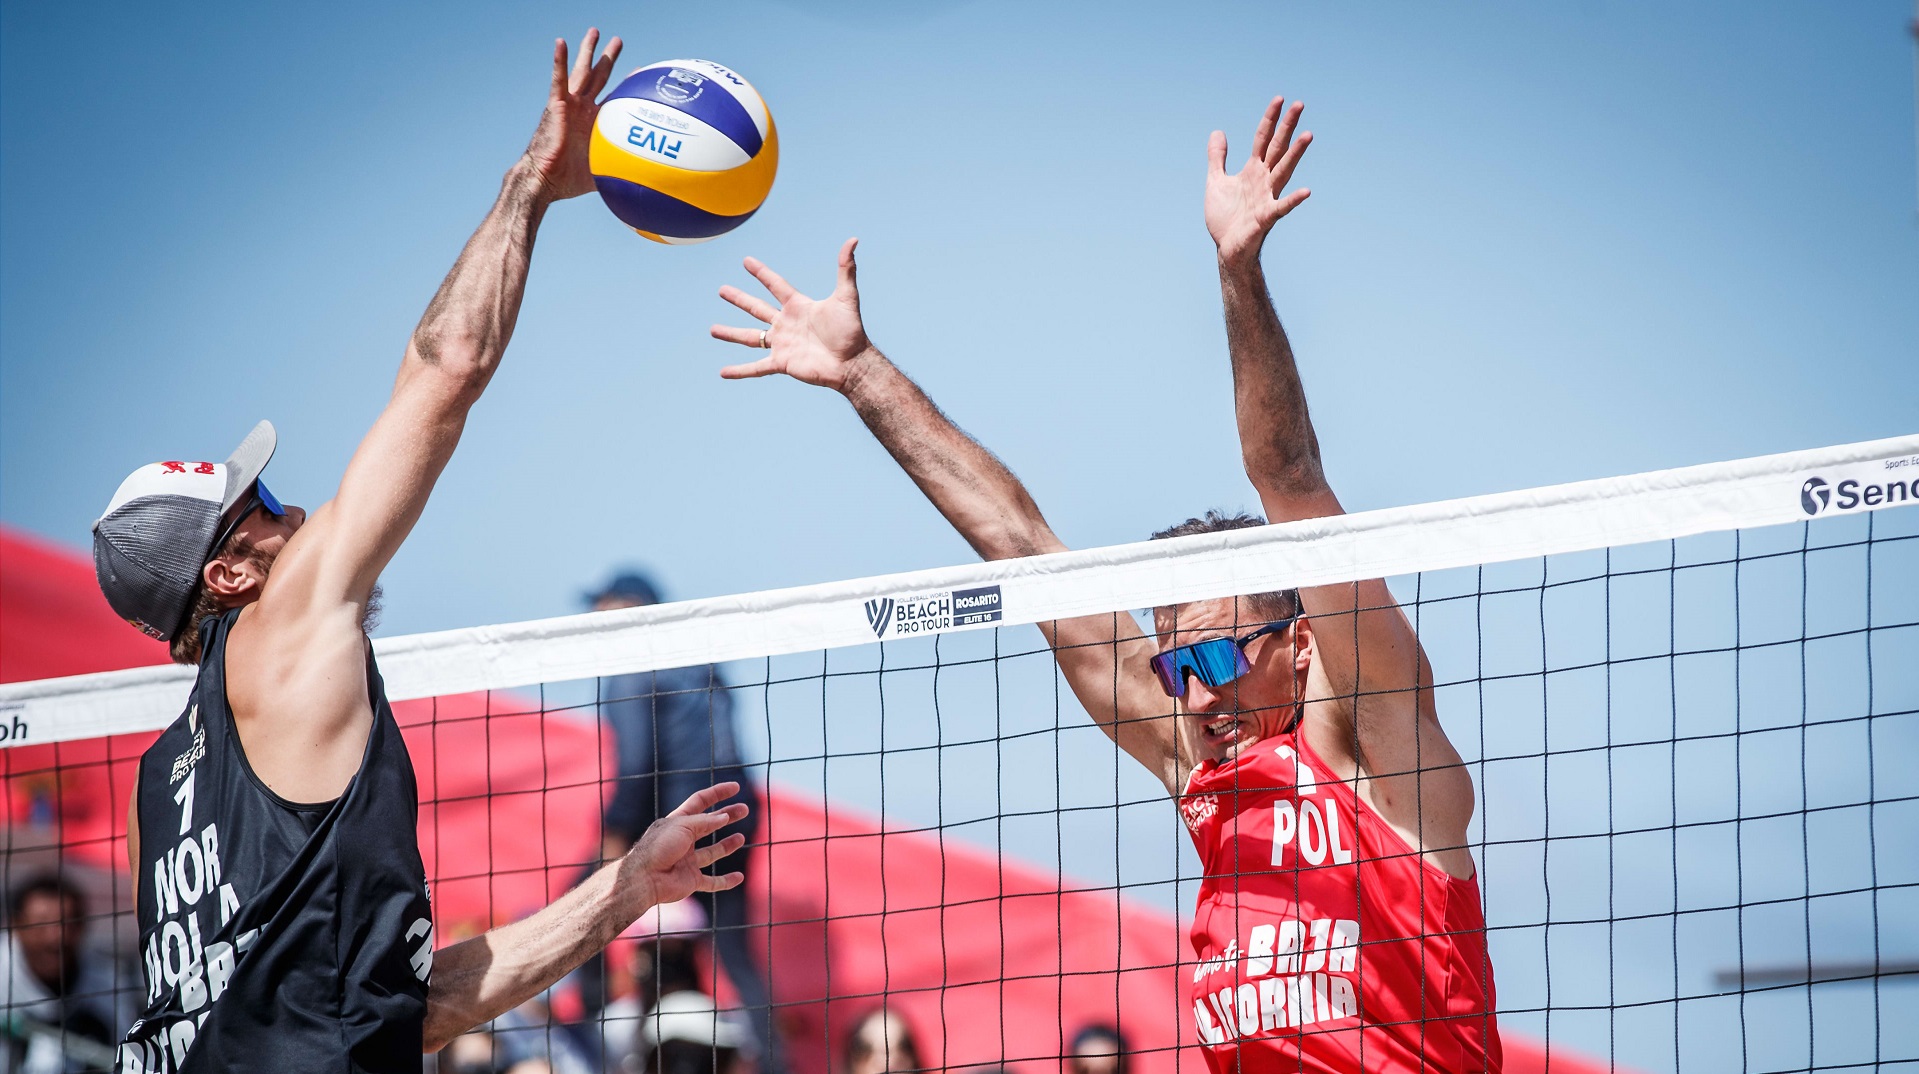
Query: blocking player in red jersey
x=1338, y=926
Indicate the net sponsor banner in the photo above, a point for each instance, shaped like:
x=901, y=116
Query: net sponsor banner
x=934, y=613
x=1861, y=486
x=1606, y=513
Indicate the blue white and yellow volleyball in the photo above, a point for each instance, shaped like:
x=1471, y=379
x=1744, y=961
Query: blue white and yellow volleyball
x=684, y=151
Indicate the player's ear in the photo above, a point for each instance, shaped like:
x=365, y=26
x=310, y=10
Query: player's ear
x=1304, y=645
x=230, y=576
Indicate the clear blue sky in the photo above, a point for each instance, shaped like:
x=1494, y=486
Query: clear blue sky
x=1546, y=243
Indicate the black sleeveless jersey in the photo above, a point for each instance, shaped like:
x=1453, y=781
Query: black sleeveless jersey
x=276, y=936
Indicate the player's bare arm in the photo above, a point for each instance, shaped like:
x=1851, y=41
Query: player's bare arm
x=297, y=658
x=477, y=980
x=1369, y=701
x=133, y=840
x=824, y=342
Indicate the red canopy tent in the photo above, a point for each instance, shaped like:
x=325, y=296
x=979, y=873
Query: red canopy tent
x=505, y=818
x=991, y=962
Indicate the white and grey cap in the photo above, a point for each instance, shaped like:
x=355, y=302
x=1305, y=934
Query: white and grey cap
x=154, y=538
x=692, y=1017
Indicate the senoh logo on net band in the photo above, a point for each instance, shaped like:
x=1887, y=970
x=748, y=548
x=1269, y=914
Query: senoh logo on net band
x=1820, y=495
x=930, y=613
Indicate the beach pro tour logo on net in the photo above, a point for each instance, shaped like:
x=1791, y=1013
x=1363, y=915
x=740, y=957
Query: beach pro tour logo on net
x=879, y=613
x=931, y=613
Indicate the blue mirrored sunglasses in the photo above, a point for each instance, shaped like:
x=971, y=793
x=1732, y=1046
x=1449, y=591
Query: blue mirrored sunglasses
x=1217, y=661
x=261, y=498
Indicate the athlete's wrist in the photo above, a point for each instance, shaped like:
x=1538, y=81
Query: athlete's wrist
x=1239, y=263
x=863, y=374
x=633, y=891
x=526, y=184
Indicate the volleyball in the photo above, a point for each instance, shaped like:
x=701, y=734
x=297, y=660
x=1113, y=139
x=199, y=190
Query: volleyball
x=684, y=151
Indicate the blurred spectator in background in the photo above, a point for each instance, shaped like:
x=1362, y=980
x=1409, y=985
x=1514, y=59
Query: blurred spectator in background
x=665, y=959
x=882, y=1043
x=684, y=1034
x=477, y=1052
x=62, y=1011
x=521, y=1041
x=673, y=733
x=1098, y=1049
x=471, y=1053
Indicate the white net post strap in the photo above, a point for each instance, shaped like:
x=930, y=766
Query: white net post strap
x=1585, y=515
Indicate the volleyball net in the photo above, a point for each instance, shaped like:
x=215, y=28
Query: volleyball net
x=1688, y=701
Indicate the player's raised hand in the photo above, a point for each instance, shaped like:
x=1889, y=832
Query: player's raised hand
x=814, y=340
x=1242, y=206
x=558, y=150
x=668, y=864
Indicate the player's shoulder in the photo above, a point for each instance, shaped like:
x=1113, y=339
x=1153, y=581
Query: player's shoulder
x=280, y=664
x=160, y=752
x=290, y=633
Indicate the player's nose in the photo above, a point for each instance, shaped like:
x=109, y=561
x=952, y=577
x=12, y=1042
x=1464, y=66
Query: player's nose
x=1199, y=696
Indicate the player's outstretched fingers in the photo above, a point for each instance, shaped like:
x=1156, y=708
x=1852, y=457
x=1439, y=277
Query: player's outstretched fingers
x=721, y=882
x=745, y=337
x=559, y=67
x=1283, y=138
x=1282, y=172
x=1263, y=135
x=707, y=855
x=762, y=368
x=774, y=282
x=1290, y=202
x=849, y=269
x=754, y=307
x=706, y=824
x=702, y=800
x=603, y=68
x=583, y=62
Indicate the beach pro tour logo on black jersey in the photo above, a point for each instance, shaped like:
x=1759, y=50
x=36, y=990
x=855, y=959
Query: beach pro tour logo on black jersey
x=931, y=613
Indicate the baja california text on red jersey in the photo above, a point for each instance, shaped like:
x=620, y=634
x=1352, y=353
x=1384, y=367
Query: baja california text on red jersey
x=1325, y=942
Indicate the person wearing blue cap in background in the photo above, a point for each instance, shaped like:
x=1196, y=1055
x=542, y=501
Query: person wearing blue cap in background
x=673, y=733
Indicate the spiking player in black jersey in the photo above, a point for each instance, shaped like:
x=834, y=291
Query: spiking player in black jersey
x=282, y=904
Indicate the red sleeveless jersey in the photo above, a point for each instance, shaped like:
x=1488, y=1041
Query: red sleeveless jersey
x=1325, y=943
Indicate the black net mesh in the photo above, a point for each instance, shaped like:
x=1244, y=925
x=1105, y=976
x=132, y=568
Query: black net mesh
x=1697, y=840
